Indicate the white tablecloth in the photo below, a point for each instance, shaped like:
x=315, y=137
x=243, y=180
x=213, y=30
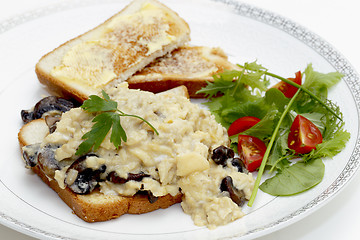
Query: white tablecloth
x=337, y=22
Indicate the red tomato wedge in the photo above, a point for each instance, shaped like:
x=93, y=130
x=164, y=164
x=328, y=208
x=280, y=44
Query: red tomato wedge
x=251, y=151
x=288, y=90
x=304, y=135
x=242, y=124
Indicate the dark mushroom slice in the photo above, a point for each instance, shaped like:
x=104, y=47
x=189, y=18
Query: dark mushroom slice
x=237, y=196
x=30, y=153
x=51, y=122
x=221, y=154
x=236, y=162
x=82, y=179
x=46, y=160
x=113, y=177
x=51, y=103
x=26, y=115
x=149, y=194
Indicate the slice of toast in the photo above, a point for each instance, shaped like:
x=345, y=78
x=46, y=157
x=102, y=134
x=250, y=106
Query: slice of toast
x=113, y=51
x=95, y=207
x=191, y=66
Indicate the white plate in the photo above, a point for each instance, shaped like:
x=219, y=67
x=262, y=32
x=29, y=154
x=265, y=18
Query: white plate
x=245, y=33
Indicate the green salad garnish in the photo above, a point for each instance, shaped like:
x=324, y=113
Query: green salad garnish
x=239, y=93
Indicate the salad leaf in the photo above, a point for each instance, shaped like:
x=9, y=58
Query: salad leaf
x=320, y=81
x=273, y=96
x=219, y=85
x=279, y=157
x=318, y=84
x=295, y=179
x=248, y=96
x=263, y=129
x=252, y=80
x=231, y=87
x=233, y=111
x=331, y=147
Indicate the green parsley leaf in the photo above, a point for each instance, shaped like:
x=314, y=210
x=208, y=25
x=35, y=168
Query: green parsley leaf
x=96, y=136
x=118, y=133
x=98, y=104
x=107, y=118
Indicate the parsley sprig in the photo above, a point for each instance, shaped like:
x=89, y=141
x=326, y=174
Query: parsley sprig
x=107, y=117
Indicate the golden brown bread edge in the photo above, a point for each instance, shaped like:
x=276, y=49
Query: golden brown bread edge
x=156, y=86
x=163, y=73
x=96, y=207
x=57, y=87
x=156, y=81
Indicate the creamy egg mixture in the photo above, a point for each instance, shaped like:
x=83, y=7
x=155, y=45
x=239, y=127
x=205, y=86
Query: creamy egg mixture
x=178, y=159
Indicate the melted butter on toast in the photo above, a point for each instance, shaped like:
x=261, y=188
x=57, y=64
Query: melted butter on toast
x=123, y=42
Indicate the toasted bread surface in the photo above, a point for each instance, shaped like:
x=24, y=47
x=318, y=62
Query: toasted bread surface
x=190, y=66
x=113, y=51
x=95, y=207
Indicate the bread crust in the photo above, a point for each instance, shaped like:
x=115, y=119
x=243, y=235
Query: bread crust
x=109, y=206
x=58, y=88
x=190, y=66
x=96, y=207
x=160, y=85
x=61, y=88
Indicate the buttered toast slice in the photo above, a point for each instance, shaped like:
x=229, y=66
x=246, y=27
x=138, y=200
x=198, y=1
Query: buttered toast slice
x=113, y=51
x=190, y=66
x=95, y=206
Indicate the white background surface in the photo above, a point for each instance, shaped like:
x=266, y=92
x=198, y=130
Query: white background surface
x=335, y=21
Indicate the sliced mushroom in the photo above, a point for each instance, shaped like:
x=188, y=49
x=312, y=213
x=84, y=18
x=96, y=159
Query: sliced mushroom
x=81, y=179
x=46, y=160
x=113, y=177
x=30, y=153
x=237, y=196
x=221, y=154
x=236, y=162
x=51, y=103
x=27, y=116
x=149, y=194
x=51, y=122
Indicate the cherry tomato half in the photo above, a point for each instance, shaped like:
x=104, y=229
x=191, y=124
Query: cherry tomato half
x=304, y=135
x=242, y=124
x=251, y=151
x=288, y=90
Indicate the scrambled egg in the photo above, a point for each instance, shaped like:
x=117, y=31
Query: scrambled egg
x=178, y=159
